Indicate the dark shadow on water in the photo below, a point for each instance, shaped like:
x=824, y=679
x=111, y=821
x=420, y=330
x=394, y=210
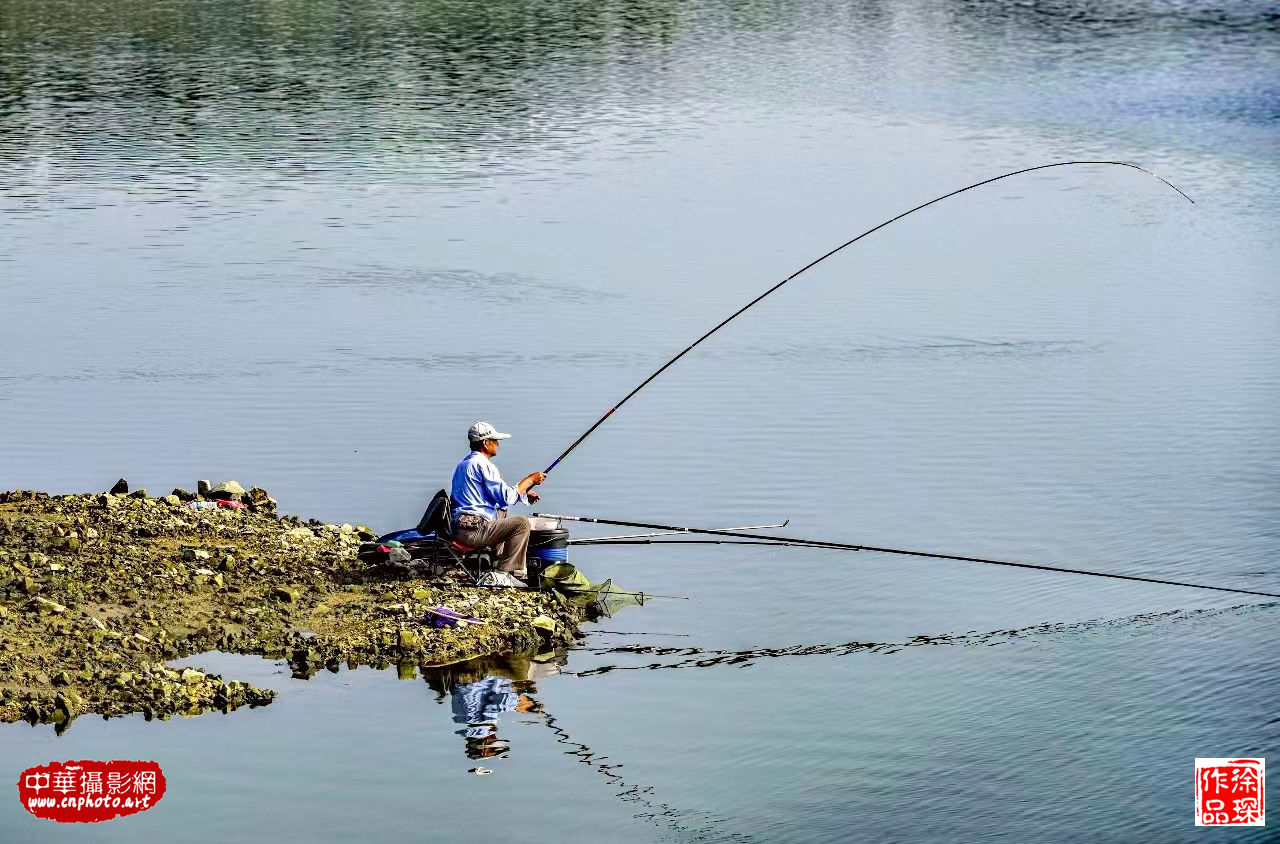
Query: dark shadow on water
x=693, y=657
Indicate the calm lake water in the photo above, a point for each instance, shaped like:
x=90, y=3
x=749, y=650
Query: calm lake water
x=306, y=244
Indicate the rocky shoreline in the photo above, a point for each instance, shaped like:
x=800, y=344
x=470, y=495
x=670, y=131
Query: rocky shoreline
x=99, y=591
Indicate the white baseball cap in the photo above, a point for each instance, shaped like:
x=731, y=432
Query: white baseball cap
x=485, y=431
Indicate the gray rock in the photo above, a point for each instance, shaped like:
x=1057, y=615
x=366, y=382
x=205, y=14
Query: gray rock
x=227, y=491
x=202, y=488
x=182, y=494
x=121, y=487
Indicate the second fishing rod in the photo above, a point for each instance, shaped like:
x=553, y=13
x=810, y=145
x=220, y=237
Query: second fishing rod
x=753, y=538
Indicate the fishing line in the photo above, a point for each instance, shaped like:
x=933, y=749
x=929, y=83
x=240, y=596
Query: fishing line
x=814, y=263
x=846, y=546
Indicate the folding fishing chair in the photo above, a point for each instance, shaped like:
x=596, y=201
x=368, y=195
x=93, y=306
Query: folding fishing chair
x=447, y=552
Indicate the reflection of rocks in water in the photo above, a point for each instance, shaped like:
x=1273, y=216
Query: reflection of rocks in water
x=704, y=658
x=524, y=670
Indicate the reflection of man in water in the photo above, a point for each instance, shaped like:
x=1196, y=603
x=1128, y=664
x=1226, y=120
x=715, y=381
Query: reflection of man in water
x=478, y=705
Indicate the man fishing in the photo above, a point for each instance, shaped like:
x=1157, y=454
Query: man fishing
x=481, y=499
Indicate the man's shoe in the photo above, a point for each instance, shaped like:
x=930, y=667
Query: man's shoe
x=501, y=578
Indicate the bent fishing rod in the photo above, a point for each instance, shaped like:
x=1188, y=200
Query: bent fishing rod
x=814, y=263
x=756, y=538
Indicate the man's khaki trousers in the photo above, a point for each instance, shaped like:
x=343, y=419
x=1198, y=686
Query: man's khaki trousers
x=511, y=532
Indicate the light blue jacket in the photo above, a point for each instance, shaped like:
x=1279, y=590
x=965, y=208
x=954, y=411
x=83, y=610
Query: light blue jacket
x=478, y=488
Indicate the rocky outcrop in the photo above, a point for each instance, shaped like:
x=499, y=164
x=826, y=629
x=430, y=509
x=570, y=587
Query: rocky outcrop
x=98, y=592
